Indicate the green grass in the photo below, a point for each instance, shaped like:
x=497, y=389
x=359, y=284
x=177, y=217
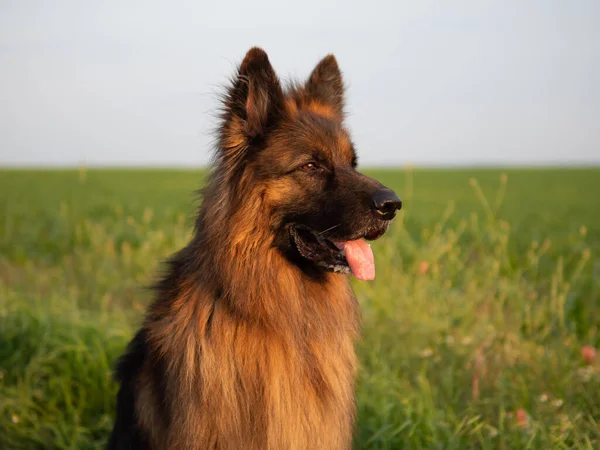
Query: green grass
x=487, y=288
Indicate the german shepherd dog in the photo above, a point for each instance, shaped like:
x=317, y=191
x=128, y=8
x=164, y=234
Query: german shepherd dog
x=249, y=343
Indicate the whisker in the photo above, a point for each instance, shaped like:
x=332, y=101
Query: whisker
x=328, y=229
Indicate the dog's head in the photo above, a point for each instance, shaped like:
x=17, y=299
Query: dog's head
x=292, y=147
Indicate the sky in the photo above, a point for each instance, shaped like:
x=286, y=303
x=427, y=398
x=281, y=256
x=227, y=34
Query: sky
x=131, y=83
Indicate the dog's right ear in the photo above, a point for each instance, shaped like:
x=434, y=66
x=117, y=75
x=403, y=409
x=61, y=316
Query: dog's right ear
x=252, y=104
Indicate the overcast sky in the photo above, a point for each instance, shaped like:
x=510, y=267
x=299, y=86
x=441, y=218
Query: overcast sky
x=430, y=82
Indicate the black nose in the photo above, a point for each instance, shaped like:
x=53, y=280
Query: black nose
x=386, y=203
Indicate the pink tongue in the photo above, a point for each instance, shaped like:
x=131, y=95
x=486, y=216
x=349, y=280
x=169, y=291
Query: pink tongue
x=360, y=259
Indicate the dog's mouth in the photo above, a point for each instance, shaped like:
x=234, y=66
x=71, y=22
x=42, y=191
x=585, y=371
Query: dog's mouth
x=345, y=256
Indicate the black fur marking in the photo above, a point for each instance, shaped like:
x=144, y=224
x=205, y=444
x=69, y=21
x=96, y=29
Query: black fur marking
x=126, y=434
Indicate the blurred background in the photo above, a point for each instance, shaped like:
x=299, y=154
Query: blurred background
x=481, y=327
x=430, y=82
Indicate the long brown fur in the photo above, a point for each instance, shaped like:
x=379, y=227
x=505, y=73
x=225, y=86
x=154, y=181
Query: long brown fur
x=285, y=353
x=245, y=348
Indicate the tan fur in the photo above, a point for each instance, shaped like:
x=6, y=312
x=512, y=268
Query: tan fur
x=236, y=134
x=304, y=102
x=291, y=106
x=290, y=385
x=344, y=146
x=321, y=109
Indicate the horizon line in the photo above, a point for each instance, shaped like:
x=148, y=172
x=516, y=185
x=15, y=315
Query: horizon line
x=369, y=166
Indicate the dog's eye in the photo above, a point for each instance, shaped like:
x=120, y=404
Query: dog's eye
x=309, y=167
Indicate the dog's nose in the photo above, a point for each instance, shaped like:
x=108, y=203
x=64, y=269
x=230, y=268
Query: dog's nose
x=386, y=203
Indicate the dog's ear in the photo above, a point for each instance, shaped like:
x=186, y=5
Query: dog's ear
x=326, y=86
x=253, y=103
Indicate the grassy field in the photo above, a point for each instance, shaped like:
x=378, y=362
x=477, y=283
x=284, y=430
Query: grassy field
x=487, y=289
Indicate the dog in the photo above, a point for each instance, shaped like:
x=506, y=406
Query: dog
x=249, y=343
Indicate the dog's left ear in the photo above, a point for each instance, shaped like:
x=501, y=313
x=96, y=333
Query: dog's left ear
x=326, y=85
